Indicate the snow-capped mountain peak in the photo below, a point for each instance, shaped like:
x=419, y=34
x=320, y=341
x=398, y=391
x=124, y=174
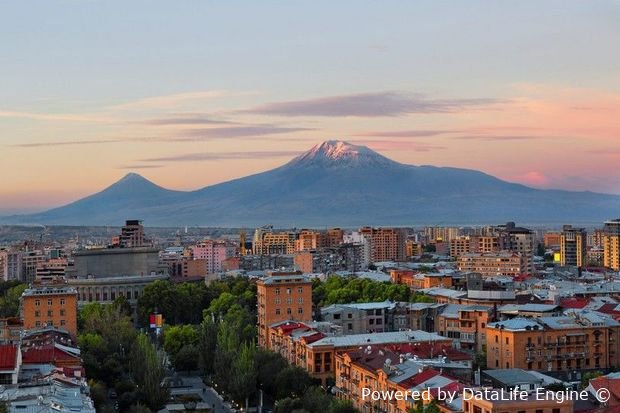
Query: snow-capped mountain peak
x=339, y=153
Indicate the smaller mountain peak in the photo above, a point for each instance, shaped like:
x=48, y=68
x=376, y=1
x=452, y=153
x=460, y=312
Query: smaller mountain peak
x=132, y=176
x=336, y=153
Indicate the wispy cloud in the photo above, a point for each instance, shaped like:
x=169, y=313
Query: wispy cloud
x=56, y=117
x=63, y=143
x=186, y=119
x=211, y=156
x=173, y=100
x=380, y=104
x=500, y=138
x=236, y=132
x=406, y=133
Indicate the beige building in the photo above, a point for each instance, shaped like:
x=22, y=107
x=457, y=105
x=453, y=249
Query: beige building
x=386, y=244
x=611, y=244
x=491, y=264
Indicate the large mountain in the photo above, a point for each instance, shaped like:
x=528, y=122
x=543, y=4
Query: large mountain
x=335, y=183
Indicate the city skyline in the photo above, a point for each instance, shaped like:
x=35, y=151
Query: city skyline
x=195, y=94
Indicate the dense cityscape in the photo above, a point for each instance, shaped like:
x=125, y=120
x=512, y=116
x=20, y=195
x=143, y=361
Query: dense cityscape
x=317, y=206
x=312, y=320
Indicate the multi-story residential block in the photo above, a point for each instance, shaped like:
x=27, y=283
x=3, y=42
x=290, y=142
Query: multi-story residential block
x=50, y=306
x=581, y=340
x=611, y=244
x=267, y=242
x=282, y=296
x=440, y=234
x=573, y=246
x=10, y=264
x=398, y=368
x=520, y=240
x=214, y=252
x=31, y=260
x=386, y=244
x=131, y=236
x=490, y=264
x=361, y=318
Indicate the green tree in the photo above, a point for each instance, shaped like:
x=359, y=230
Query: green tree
x=315, y=400
x=244, y=373
x=9, y=302
x=186, y=358
x=176, y=337
x=139, y=408
x=292, y=382
x=342, y=406
x=269, y=364
x=148, y=371
x=207, y=344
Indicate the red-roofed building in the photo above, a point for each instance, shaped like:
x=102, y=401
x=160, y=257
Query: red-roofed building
x=10, y=361
x=574, y=302
x=611, y=309
x=50, y=354
x=610, y=382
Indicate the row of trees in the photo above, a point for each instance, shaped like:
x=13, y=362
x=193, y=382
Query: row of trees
x=342, y=290
x=117, y=357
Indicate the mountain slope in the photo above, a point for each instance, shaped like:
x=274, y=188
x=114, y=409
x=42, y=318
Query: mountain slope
x=336, y=183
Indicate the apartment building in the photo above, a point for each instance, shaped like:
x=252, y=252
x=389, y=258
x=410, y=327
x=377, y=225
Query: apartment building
x=573, y=246
x=282, y=296
x=490, y=264
x=50, y=306
x=582, y=340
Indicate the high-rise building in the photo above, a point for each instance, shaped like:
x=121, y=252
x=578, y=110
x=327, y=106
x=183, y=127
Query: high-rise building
x=334, y=237
x=386, y=244
x=282, y=296
x=309, y=240
x=611, y=244
x=573, y=249
x=505, y=263
x=132, y=235
x=518, y=239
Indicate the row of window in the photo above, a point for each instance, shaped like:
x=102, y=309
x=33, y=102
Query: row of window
x=49, y=323
x=50, y=313
x=50, y=301
x=290, y=311
x=289, y=300
x=300, y=290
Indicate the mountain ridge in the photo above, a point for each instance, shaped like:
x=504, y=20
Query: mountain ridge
x=333, y=183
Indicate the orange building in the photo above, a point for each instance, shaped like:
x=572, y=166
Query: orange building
x=50, y=305
x=309, y=240
x=582, y=341
x=552, y=239
x=384, y=370
x=282, y=296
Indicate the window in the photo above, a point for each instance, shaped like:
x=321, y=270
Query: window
x=288, y=291
x=497, y=339
x=62, y=322
x=350, y=326
x=300, y=300
x=50, y=313
x=289, y=300
x=300, y=290
x=336, y=316
x=277, y=291
x=289, y=311
x=49, y=301
x=507, y=340
x=300, y=310
x=37, y=303
x=556, y=410
x=37, y=313
x=63, y=312
x=277, y=300
x=62, y=301
x=38, y=324
x=277, y=311
x=349, y=315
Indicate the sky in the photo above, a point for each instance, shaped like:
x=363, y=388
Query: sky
x=194, y=93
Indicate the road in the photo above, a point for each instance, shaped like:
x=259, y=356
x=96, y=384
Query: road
x=208, y=394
